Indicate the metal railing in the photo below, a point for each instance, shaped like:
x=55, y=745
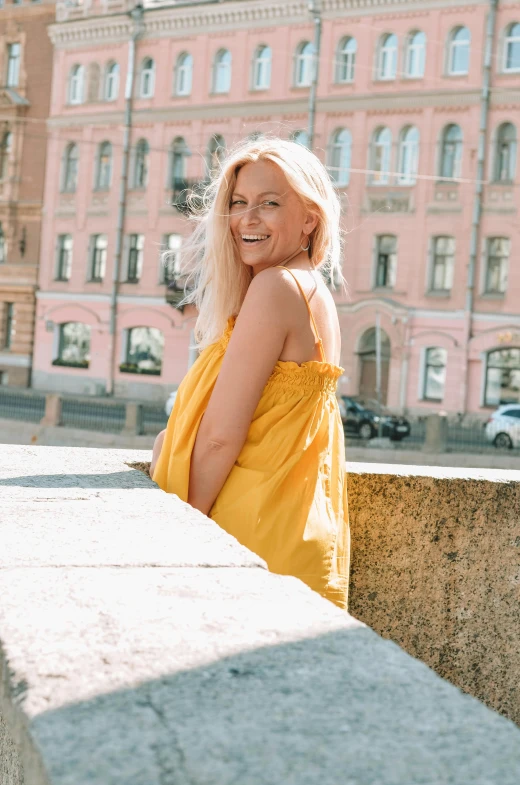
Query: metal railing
x=152, y=419
x=21, y=405
x=93, y=415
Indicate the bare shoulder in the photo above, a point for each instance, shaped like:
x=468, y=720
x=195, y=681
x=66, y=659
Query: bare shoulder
x=271, y=291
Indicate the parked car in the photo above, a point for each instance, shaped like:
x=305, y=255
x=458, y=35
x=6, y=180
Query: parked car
x=503, y=427
x=363, y=421
x=168, y=406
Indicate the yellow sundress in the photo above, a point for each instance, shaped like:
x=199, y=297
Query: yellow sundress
x=286, y=495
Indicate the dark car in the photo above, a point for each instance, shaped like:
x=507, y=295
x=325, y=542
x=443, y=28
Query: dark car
x=366, y=423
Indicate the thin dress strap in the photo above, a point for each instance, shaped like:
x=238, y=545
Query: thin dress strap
x=315, y=328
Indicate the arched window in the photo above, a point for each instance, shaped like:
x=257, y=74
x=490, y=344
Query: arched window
x=505, y=154
x=346, y=60
x=69, y=180
x=408, y=155
x=140, y=174
x=178, y=164
x=183, y=74
x=381, y=156
x=76, y=84
x=511, y=62
x=5, y=153
x=73, y=345
x=111, y=82
x=340, y=152
x=502, y=377
x=222, y=71
x=300, y=137
x=262, y=68
x=303, y=64
x=451, y=152
x=104, y=167
x=415, y=55
x=387, y=57
x=94, y=80
x=458, y=51
x=147, y=78
x=215, y=154
x=144, y=351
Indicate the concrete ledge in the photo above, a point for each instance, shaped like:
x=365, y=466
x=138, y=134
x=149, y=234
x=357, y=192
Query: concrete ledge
x=141, y=645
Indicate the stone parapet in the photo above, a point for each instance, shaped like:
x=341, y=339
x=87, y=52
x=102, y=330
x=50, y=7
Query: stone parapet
x=141, y=644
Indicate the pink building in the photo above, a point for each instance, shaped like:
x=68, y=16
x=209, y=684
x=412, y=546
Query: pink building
x=422, y=153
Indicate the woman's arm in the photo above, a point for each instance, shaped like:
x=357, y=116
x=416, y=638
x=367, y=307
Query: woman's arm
x=253, y=350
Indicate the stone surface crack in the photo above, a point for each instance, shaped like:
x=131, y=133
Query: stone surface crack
x=169, y=769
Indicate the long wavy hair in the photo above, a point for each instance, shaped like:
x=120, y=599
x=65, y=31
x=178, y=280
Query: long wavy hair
x=215, y=279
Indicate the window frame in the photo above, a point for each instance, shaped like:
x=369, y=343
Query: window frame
x=413, y=47
x=390, y=265
x=411, y=149
x=12, y=75
x=340, y=157
x=508, y=40
x=382, y=53
x=112, y=73
x=345, y=61
x=6, y=146
x=458, y=146
x=489, y=366
x=183, y=71
x=140, y=169
x=59, y=359
x=69, y=185
x=147, y=78
x=63, y=257
x=512, y=148
x=501, y=263
x=453, y=45
x=128, y=365
x=104, y=183
x=434, y=365
x=262, y=64
x=303, y=63
x=135, y=258
x=98, y=259
x=443, y=259
x=8, y=326
x=376, y=146
x=220, y=67
x=165, y=279
x=76, y=86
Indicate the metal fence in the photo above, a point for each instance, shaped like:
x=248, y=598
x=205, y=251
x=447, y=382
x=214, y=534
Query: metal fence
x=19, y=405
x=153, y=419
x=93, y=415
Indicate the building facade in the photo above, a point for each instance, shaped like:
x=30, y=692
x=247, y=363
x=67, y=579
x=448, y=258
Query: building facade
x=417, y=119
x=26, y=68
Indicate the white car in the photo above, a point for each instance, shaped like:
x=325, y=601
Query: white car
x=168, y=406
x=503, y=427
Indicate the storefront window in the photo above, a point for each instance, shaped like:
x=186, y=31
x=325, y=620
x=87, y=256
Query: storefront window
x=503, y=377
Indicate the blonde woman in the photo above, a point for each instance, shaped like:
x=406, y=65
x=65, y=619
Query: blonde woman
x=255, y=439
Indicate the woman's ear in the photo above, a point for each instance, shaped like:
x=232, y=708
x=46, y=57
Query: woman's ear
x=310, y=223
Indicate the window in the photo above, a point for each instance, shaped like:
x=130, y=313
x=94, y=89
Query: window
x=303, y=64
x=147, y=78
x=511, y=63
x=69, y=179
x=135, y=258
x=140, y=173
x=434, y=374
x=339, y=156
x=3, y=246
x=76, y=84
x=8, y=325
x=262, y=68
x=178, y=164
x=73, y=345
x=215, y=154
x=222, y=71
x=443, y=264
x=497, y=263
x=381, y=156
x=346, y=60
x=13, y=65
x=63, y=257
x=144, y=351
x=415, y=55
x=502, y=377
x=170, y=260
x=98, y=257
x=458, y=51
x=183, y=74
x=300, y=137
x=505, y=154
x=5, y=153
x=408, y=155
x=111, y=82
x=104, y=167
x=386, y=261
x=451, y=152
x=387, y=57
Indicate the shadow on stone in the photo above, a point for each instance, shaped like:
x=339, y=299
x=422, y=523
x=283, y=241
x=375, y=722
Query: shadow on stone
x=123, y=479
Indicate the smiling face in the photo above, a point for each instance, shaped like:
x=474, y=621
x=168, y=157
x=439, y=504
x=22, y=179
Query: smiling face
x=268, y=221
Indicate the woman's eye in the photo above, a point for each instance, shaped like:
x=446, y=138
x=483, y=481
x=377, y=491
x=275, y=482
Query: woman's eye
x=237, y=201
x=271, y=204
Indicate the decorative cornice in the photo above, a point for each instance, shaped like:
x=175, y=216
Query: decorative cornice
x=163, y=19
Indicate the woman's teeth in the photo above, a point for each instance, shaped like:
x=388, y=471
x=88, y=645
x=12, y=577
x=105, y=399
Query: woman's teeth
x=254, y=238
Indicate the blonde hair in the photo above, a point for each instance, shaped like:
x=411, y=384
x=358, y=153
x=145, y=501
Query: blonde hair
x=215, y=278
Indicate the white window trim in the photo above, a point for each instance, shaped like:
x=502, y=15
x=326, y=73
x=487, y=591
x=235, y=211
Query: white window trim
x=451, y=46
x=506, y=39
